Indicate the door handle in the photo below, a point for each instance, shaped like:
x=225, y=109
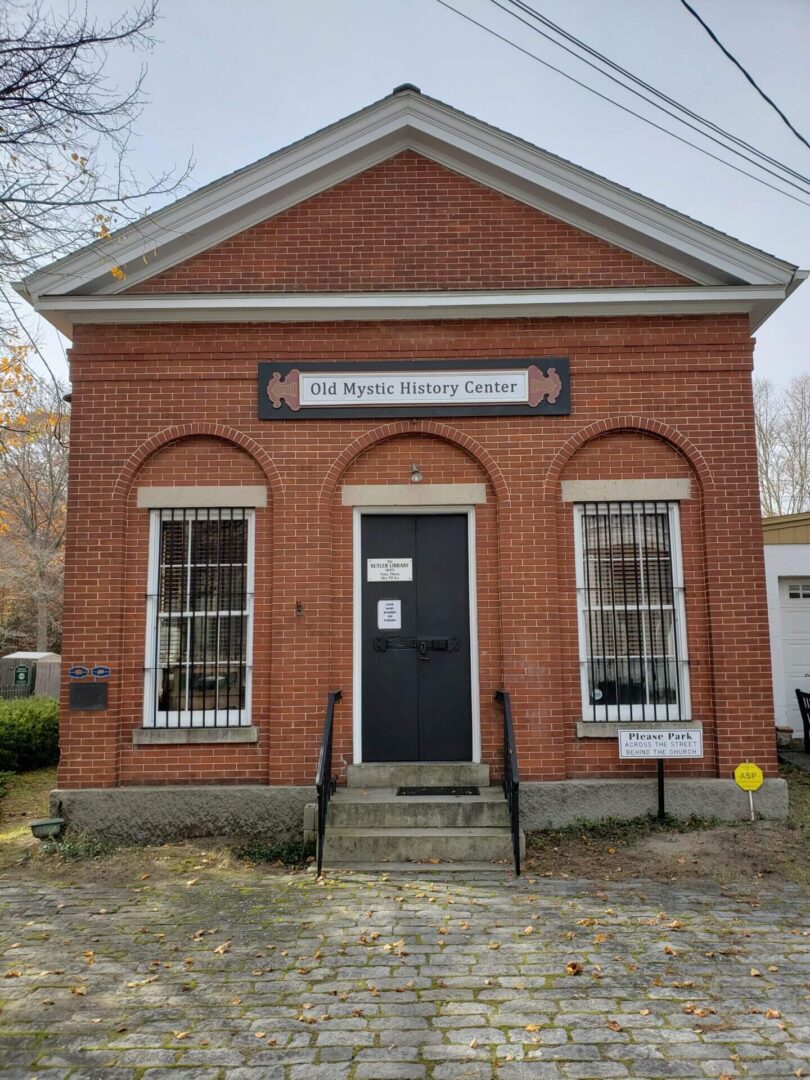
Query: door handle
x=423, y=650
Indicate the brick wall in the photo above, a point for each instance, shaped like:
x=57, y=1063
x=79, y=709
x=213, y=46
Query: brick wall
x=666, y=396
x=408, y=223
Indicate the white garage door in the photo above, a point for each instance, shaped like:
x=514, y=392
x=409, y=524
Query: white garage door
x=794, y=597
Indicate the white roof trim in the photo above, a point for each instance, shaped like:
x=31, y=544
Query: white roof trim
x=65, y=311
x=409, y=121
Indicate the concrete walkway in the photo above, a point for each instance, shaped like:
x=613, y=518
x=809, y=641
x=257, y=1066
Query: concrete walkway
x=401, y=977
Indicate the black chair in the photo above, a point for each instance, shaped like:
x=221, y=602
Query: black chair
x=804, y=709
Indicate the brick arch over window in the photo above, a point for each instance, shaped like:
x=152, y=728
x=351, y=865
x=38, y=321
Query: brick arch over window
x=428, y=428
x=161, y=439
x=631, y=424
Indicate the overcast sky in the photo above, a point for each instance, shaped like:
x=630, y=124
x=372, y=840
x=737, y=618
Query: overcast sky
x=234, y=81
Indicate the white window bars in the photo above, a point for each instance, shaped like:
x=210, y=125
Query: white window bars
x=632, y=621
x=199, y=618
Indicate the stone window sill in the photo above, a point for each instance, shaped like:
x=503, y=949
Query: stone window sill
x=588, y=729
x=193, y=736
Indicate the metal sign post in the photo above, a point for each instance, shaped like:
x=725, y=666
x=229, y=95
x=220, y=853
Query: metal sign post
x=658, y=744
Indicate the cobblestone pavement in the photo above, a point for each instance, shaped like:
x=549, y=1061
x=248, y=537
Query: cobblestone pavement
x=401, y=976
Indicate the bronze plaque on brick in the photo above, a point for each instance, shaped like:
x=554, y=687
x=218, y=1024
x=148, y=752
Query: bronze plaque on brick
x=88, y=696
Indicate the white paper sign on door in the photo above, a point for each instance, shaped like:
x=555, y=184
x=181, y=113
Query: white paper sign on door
x=389, y=569
x=389, y=614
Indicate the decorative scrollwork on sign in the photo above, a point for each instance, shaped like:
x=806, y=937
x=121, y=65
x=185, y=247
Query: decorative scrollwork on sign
x=285, y=389
x=543, y=386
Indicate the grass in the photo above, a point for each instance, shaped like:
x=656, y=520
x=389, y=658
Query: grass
x=258, y=851
x=5, y=777
x=618, y=832
x=26, y=798
x=79, y=845
x=799, y=787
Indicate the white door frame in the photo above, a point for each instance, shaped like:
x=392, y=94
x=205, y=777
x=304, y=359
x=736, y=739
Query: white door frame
x=357, y=660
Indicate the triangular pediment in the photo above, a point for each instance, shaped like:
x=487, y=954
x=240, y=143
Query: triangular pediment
x=635, y=233
x=408, y=223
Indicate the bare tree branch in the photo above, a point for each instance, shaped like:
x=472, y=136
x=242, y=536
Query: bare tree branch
x=782, y=417
x=66, y=131
x=33, y=489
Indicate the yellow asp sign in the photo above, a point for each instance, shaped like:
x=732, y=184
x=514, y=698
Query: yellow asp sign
x=748, y=776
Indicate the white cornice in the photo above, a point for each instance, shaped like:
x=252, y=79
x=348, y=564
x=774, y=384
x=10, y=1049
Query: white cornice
x=409, y=121
x=128, y=308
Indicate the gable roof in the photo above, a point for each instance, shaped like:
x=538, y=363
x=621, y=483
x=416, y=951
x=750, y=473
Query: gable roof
x=726, y=268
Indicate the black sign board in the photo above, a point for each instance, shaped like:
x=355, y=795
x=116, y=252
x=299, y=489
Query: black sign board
x=390, y=388
x=88, y=696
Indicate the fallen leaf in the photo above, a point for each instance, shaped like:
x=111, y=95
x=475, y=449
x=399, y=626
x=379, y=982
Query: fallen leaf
x=574, y=968
x=614, y=1025
x=532, y=1027
x=473, y=1043
x=644, y=1012
x=192, y=881
x=772, y=1014
x=600, y=939
x=236, y=1001
x=755, y=973
x=494, y=945
x=181, y=1034
x=79, y=991
x=670, y=951
x=12, y=975
x=529, y=930
x=220, y=950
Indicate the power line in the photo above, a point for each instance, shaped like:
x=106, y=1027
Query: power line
x=523, y=6
x=619, y=105
x=748, y=76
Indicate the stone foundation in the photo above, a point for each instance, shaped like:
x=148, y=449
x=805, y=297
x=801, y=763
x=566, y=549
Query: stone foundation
x=551, y=805
x=144, y=815
x=140, y=815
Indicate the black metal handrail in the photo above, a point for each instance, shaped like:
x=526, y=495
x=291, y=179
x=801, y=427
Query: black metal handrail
x=325, y=779
x=511, y=774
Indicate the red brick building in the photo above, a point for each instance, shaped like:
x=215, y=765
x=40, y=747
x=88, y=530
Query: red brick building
x=501, y=437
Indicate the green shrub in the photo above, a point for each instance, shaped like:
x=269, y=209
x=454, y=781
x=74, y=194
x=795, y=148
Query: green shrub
x=29, y=734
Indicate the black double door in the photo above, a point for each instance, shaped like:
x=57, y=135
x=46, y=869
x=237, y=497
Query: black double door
x=415, y=638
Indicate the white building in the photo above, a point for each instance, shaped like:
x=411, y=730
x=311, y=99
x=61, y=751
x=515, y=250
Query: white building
x=787, y=569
